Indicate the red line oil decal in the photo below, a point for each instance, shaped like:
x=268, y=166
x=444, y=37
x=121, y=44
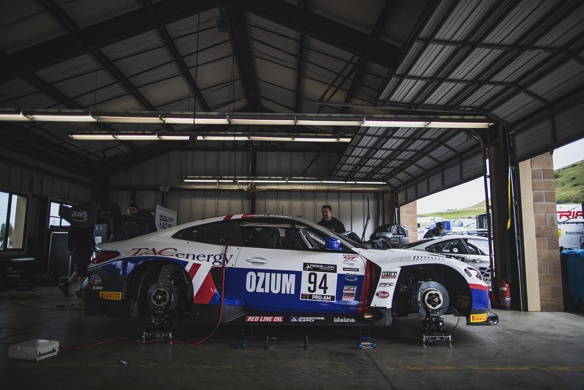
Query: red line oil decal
x=248, y=215
x=263, y=319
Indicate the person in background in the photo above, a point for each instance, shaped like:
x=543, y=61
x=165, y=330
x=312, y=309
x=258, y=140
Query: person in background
x=81, y=245
x=132, y=209
x=437, y=231
x=330, y=222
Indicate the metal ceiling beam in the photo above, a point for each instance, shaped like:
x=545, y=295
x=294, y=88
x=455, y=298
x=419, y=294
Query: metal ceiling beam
x=492, y=18
x=535, y=74
x=508, y=48
x=386, y=91
x=321, y=28
x=539, y=29
x=27, y=148
x=177, y=56
x=301, y=5
x=374, y=35
x=242, y=51
x=97, y=36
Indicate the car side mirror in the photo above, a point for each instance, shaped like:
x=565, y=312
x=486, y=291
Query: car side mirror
x=332, y=244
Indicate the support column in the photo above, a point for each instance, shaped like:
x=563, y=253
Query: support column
x=540, y=233
x=389, y=208
x=408, y=215
x=506, y=265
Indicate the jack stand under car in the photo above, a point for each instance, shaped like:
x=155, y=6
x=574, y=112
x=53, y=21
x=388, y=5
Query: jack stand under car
x=159, y=328
x=432, y=301
x=438, y=334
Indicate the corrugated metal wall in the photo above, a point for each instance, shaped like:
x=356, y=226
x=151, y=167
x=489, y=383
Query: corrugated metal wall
x=28, y=182
x=192, y=205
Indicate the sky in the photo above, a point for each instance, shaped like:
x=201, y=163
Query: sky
x=471, y=193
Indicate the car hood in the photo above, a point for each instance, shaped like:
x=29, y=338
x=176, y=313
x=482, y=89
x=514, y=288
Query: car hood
x=389, y=257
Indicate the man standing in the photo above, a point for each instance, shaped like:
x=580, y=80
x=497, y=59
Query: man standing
x=437, y=231
x=132, y=209
x=330, y=222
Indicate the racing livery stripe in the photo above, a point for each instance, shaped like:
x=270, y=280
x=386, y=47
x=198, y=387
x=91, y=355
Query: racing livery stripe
x=478, y=287
x=227, y=218
x=207, y=289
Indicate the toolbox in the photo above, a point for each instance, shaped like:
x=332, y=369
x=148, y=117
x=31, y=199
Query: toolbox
x=34, y=350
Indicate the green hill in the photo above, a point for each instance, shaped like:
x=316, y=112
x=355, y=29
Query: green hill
x=570, y=183
x=471, y=211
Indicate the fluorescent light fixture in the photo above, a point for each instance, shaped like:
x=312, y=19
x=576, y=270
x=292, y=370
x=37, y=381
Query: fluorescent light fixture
x=269, y=181
x=14, y=117
x=344, y=139
x=235, y=121
x=211, y=121
x=221, y=138
x=93, y=137
x=274, y=180
x=374, y=123
x=268, y=138
x=370, y=182
x=137, y=137
x=174, y=137
x=179, y=121
x=201, y=180
x=315, y=139
x=309, y=122
x=63, y=118
x=459, y=125
x=129, y=119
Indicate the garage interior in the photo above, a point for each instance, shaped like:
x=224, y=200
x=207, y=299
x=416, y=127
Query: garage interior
x=224, y=107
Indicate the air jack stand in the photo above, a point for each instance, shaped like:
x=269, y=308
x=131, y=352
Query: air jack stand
x=439, y=334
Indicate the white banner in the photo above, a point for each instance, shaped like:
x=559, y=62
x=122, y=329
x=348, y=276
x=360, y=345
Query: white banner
x=570, y=226
x=164, y=217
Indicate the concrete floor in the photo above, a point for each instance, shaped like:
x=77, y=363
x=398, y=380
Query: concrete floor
x=526, y=350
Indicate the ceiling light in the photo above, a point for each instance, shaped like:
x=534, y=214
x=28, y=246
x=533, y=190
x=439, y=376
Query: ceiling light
x=276, y=122
x=211, y=121
x=459, y=125
x=174, y=137
x=372, y=123
x=129, y=119
x=222, y=138
x=307, y=122
x=316, y=139
x=63, y=118
x=137, y=137
x=179, y=121
x=94, y=137
x=14, y=117
x=268, y=138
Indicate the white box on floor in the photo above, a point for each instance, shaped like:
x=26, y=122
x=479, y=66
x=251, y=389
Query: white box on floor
x=34, y=350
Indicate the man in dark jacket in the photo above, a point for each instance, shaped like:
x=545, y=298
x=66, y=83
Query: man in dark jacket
x=81, y=245
x=329, y=222
x=437, y=231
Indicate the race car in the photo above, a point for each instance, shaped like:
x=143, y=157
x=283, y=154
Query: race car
x=473, y=250
x=274, y=269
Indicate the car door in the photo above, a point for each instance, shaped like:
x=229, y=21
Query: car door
x=284, y=266
x=454, y=249
x=479, y=256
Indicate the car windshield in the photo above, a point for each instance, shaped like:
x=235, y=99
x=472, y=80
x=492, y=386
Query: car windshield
x=329, y=233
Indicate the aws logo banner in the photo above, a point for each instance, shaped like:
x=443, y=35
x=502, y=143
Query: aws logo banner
x=78, y=216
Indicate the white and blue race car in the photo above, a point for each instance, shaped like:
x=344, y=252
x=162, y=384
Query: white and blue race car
x=274, y=269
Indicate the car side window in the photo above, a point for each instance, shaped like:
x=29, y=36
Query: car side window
x=212, y=233
x=449, y=246
x=477, y=247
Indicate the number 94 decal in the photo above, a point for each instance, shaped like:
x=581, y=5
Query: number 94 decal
x=319, y=282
